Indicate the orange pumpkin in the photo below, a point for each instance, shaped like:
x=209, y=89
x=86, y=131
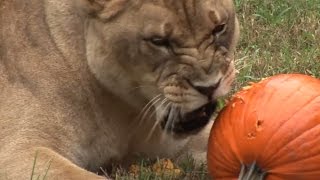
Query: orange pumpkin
x=270, y=130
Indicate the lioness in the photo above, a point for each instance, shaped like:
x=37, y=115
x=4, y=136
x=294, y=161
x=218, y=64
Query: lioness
x=84, y=83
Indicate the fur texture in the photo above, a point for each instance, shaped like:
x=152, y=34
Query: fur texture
x=84, y=83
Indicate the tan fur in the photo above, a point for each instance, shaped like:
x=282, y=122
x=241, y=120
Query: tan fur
x=75, y=74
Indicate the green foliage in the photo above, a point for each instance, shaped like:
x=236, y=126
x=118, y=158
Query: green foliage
x=280, y=36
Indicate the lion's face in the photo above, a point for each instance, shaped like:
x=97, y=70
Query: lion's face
x=173, y=56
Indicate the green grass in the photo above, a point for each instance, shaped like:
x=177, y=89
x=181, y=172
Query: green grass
x=187, y=167
x=277, y=36
x=43, y=175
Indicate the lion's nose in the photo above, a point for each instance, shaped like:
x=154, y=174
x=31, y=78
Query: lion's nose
x=207, y=91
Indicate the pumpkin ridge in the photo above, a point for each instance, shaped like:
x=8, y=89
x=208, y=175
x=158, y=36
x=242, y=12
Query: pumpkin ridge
x=249, y=106
x=232, y=144
x=234, y=147
x=316, y=171
x=221, y=159
x=278, y=176
x=284, y=77
x=220, y=144
x=224, y=158
x=267, y=98
x=269, y=130
x=305, y=133
x=282, y=125
x=275, y=94
x=291, y=162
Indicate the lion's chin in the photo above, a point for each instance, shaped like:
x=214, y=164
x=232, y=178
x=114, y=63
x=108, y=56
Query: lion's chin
x=190, y=123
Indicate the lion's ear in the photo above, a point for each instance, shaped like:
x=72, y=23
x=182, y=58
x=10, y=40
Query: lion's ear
x=104, y=9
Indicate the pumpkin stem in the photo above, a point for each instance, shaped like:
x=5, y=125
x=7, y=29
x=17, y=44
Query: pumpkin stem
x=251, y=172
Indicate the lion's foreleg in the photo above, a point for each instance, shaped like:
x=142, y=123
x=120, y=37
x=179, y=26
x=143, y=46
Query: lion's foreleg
x=44, y=163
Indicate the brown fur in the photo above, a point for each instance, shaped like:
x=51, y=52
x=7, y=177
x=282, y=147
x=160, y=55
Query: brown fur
x=72, y=77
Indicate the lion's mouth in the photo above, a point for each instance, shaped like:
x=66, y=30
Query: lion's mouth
x=191, y=122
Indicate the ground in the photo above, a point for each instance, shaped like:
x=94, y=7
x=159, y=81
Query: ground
x=277, y=36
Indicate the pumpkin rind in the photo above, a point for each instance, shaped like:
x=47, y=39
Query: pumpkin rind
x=275, y=123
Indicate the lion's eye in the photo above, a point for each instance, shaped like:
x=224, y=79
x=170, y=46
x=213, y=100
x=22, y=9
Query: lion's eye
x=158, y=41
x=219, y=29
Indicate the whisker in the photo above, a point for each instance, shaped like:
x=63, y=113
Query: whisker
x=148, y=110
x=164, y=133
x=159, y=106
x=170, y=118
x=176, y=113
x=146, y=106
x=157, y=120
